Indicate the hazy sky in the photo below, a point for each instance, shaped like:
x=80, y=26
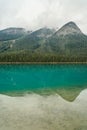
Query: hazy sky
x=33, y=14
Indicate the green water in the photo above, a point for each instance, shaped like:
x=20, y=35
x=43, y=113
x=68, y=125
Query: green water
x=41, y=77
x=58, y=102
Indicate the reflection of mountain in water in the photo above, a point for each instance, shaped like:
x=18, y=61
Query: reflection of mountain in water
x=35, y=112
x=68, y=94
x=66, y=80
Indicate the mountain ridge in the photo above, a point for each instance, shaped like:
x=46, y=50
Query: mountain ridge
x=11, y=33
x=69, y=28
x=68, y=41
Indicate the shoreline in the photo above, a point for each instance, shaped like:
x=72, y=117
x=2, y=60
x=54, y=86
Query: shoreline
x=41, y=63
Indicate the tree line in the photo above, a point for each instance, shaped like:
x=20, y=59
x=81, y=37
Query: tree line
x=27, y=57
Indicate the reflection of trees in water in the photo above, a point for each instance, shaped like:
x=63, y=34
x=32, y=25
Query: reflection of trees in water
x=66, y=80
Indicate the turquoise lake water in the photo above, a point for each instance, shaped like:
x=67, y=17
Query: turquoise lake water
x=24, y=106
x=34, y=77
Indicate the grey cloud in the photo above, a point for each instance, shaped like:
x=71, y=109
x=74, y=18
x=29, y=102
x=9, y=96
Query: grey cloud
x=34, y=14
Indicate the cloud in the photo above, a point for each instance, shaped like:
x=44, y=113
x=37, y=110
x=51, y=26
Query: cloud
x=34, y=14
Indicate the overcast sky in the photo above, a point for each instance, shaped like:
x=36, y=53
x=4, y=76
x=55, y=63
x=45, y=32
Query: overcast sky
x=34, y=14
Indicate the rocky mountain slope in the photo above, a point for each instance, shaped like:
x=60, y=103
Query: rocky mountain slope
x=12, y=33
x=68, y=41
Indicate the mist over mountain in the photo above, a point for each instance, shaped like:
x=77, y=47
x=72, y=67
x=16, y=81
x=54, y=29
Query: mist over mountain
x=69, y=28
x=68, y=41
x=12, y=33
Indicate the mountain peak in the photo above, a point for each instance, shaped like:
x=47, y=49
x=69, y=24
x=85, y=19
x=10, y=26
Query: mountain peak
x=71, y=23
x=69, y=28
x=43, y=32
